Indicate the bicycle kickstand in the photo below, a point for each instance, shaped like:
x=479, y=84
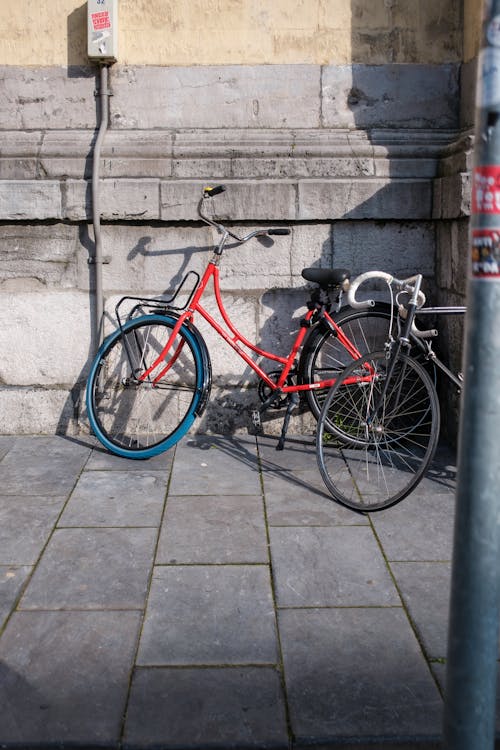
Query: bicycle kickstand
x=293, y=402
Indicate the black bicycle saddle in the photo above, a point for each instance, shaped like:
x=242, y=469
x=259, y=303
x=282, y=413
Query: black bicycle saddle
x=326, y=277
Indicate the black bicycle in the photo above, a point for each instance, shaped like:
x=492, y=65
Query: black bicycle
x=379, y=424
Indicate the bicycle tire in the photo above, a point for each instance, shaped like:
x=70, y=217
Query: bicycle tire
x=388, y=457
x=323, y=356
x=137, y=419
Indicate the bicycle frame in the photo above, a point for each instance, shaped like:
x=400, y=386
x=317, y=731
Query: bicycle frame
x=239, y=343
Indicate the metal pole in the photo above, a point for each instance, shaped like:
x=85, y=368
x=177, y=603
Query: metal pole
x=96, y=207
x=469, y=715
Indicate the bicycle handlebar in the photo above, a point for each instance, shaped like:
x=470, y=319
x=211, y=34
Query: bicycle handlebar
x=410, y=285
x=209, y=192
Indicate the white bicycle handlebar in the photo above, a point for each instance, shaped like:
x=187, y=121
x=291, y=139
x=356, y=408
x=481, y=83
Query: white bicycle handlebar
x=406, y=285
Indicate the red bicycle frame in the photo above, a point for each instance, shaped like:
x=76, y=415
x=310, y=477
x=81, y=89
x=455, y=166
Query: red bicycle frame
x=237, y=341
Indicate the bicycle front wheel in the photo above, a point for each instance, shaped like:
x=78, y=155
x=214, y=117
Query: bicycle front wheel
x=393, y=426
x=139, y=415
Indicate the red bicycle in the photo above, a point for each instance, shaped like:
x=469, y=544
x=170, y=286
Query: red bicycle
x=152, y=376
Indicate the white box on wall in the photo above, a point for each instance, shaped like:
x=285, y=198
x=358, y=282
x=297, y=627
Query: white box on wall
x=102, y=30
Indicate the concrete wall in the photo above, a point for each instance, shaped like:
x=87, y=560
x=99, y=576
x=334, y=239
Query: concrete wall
x=361, y=151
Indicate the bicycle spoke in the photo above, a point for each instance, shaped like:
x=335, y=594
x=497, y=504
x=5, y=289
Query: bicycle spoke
x=393, y=427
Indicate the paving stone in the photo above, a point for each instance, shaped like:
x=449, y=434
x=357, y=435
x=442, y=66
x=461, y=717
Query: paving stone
x=209, y=615
x=25, y=525
x=93, y=568
x=223, y=708
x=116, y=498
x=299, y=498
x=6, y=443
x=425, y=588
x=329, y=566
x=405, y=529
x=12, y=578
x=24, y=470
x=215, y=466
x=356, y=673
x=64, y=677
x=299, y=453
x=213, y=529
x=102, y=460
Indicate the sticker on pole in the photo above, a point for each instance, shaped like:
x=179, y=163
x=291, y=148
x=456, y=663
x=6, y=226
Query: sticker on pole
x=486, y=190
x=486, y=253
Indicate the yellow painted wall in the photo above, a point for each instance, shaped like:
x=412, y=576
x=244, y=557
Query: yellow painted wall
x=202, y=32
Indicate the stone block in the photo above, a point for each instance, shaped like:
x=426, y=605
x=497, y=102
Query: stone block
x=453, y=257
x=65, y=675
x=18, y=157
x=235, y=623
x=452, y=197
x=109, y=498
x=213, y=529
x=30, y=199
x=233, y=96
x=26, y=524
x=320, y=690
x=398, y=248
x=309, y=567
x=404, y=532
x=127, y=199
x=24, y=469
x=35, y=411
x=48, y=338
x=66, y=153
x=33, y=257
x=209, y=469
x=311, y=246
x=12, y=580
x=368, y=96
x=49, y=97
x=244, y=201
x=364, y=199
x=234, y=707
x=137, y=153
x=113, y=571
x=425, y=588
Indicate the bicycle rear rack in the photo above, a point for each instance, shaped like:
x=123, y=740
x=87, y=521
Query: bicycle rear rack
x=145, y=305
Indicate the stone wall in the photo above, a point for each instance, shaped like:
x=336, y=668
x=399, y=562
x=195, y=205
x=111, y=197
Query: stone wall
x=367, y=164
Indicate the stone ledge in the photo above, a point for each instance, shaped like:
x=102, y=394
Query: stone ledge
x=56, y=154
x=275, y=175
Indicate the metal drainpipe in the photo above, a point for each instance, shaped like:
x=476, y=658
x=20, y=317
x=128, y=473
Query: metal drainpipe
x=96, y=208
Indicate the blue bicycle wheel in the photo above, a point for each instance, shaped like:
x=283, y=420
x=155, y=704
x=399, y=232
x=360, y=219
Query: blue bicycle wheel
x=141, y=401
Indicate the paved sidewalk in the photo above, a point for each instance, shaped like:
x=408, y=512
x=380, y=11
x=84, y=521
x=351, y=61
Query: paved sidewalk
x=215, y=597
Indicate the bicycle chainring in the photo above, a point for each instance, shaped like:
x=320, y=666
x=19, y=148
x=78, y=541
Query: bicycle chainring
x=265, y=391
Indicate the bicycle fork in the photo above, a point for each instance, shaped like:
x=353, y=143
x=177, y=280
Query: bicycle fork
x=403, y=341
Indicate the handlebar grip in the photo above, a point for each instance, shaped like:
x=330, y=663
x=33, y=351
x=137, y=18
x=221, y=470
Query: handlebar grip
x=209, y=192
x=355, y=283
x=279, y=230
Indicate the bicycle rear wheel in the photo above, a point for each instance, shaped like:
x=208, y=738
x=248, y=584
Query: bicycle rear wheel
x=324, y=357
x=135, y=417
x=388, y=432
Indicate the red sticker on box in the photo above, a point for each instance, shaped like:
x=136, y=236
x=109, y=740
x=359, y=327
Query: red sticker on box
x=101, y=20
x=486, y=253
